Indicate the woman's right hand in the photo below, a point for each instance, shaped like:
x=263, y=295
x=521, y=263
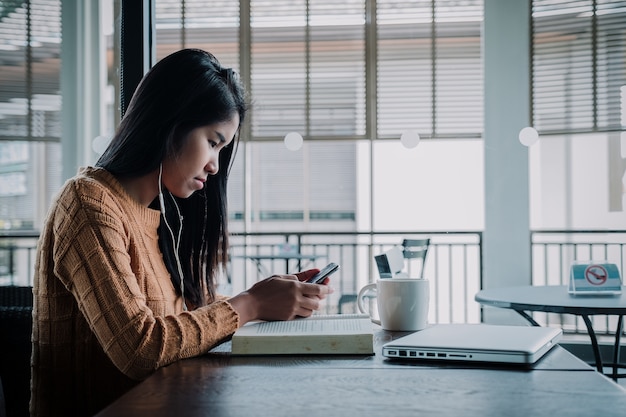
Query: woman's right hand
x=279, y=297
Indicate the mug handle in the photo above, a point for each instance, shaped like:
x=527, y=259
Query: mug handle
x=359, y=300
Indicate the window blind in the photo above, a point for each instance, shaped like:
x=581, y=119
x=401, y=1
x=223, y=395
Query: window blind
x=308, y=68
x=209, y=25
x=429, y=68
x=308, y=71
x=30, y=45
x=578, y=65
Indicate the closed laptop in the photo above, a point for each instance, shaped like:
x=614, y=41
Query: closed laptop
x=475, y=343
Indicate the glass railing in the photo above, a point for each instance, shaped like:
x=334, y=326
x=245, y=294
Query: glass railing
x=453, y=264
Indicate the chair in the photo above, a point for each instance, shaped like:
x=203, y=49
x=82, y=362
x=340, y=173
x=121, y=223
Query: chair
x=3, y=412
x=415, y=249
x=16, y=319
x=345, y=299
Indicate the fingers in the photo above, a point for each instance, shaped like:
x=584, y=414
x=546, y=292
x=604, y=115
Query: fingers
x=307, y=305
x=303, y=312
x=309, y=290
x=305, y=275
x=317, y=290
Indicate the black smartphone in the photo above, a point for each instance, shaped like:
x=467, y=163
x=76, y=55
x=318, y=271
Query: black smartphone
x=326, y=271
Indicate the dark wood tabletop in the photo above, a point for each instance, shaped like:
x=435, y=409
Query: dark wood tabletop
x=219, y=384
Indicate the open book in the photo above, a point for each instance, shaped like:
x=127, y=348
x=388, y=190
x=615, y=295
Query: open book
x=318, y=334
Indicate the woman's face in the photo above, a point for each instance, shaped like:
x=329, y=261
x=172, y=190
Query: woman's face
x=188, y=170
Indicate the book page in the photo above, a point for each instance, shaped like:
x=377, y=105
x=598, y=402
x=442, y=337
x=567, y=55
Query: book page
x=313, y=325
x=336, y=316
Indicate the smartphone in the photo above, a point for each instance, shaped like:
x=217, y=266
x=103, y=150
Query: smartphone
x=326, y=271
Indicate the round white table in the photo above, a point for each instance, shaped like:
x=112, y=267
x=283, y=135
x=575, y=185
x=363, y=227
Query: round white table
x=556, y=299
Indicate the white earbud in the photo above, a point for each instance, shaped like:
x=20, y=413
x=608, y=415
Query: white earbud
x=161, y=201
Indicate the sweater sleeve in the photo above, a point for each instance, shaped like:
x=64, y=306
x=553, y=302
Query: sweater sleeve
x=92, y=259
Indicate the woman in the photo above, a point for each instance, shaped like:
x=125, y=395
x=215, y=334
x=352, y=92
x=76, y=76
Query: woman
x=127, y=261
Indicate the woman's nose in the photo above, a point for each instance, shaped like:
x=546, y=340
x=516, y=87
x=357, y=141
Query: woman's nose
x=212, y=167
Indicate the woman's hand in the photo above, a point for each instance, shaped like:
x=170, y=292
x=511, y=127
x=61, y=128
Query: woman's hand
x=305, y=275
x=281, y=297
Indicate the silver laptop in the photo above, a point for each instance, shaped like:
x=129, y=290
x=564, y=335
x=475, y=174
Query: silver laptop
x=476, y=343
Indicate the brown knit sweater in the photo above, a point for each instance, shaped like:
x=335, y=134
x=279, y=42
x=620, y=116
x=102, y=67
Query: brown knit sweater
x=106, y=314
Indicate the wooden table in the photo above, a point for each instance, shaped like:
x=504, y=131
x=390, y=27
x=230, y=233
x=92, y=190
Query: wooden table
x=556, y=299
x=220, y=385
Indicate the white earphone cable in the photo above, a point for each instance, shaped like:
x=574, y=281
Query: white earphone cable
x=175, y=241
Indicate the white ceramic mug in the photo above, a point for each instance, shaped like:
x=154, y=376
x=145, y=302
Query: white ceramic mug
x=402, y=303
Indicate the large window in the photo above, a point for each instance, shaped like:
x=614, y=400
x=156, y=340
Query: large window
x=579, y=109
x=344, y=75
x=30, y=108
x=351, y=77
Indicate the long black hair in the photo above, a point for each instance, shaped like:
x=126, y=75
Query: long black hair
x=183, y=91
